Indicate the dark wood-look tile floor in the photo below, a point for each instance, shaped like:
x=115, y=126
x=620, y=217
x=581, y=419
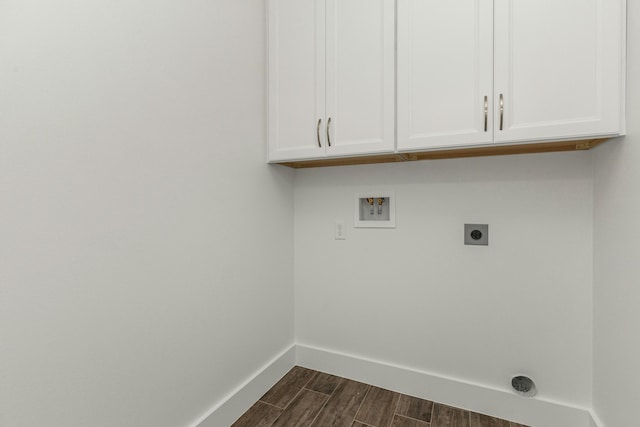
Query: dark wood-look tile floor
x=307, y=398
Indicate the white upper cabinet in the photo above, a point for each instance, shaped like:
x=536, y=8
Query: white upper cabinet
x=558, y=69
x=296, y=79
x=361, y=76
x=476, y=73
x=445, y=73
x=550, y=70
x=331, y=78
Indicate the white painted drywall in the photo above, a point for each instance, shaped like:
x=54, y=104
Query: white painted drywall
x=145, y=246
x=617, y=257
x=416, y=297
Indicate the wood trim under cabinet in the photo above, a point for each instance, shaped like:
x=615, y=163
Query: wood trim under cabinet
x=494, y=150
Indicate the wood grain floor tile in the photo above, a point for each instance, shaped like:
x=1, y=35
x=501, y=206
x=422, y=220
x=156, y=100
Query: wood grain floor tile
x=288, y=387
x=400, y=421
x=305, y=396
x=341, y=409
x=447, y=416
x=302, y=410
x=378, y=407
x=260, y=415
x=324, y=383
x=479, y=420
x=413, y=407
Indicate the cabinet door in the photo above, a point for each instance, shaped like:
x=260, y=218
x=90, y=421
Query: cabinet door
x=558, y=69
x=296, y=79
x=445, y=73
x=360, y=76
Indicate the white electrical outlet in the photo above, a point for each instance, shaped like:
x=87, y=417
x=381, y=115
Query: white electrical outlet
x=339, y=230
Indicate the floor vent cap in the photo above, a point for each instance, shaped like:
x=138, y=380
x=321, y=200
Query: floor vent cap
x=524, y=386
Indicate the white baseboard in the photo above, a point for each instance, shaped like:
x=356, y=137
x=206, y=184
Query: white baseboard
x=595, y=420
x=242, y=398
x=462, y=394
x=475, y=397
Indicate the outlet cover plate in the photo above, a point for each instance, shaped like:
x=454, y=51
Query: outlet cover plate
x=476, y=234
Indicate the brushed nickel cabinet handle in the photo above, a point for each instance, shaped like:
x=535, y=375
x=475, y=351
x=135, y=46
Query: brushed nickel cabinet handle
x=486, y=113
x=329, y=131
x=318, y=132
x=501, y=111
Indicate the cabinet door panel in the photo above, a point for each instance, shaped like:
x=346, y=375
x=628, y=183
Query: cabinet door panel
x=360, y=76
x=296, y=79
x=558, y=67
x=445, y=54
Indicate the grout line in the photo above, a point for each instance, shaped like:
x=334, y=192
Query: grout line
x=355, y=418
x=341, y=380
x=413, y=418
x=292, y=399
x=299, y=391
x=270, y=404
x=395, y=410
x=329, y=396
x=421, y=423
x=289, y=404
x=294, y=396
x=316, y=392
x=338, y=386
x=324, y=405
x=277, y=418
x=433, y=414
x=315, y=374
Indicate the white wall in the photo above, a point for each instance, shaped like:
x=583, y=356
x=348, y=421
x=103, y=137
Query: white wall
x=139, y=284
x=617, y=264
x=417, y=297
